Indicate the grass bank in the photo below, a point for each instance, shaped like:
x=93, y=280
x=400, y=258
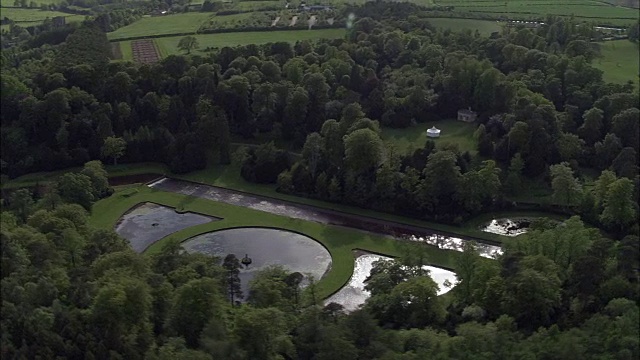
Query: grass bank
x=229, y=177
x=620, y=61
x=340, y=242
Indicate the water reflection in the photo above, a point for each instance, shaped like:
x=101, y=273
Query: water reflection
x=352, y=295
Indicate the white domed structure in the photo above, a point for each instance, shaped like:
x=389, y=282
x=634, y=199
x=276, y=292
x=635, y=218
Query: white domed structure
x=433, y=132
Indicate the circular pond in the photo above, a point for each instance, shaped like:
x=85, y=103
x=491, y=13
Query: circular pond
x=295, y=252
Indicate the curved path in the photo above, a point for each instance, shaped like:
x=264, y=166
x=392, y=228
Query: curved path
x=311, y=213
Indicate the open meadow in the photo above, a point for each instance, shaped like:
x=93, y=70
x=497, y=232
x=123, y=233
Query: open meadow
x=414, y=137
x=161, y=25
x=620, y=61
x=35, y=15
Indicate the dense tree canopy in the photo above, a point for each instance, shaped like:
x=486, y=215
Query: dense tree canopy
x=545, y=116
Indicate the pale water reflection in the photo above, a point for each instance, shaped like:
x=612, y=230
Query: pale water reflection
x=508, y=227
x=353, y=295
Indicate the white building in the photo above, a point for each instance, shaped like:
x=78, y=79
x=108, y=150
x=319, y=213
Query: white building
x=433, y=132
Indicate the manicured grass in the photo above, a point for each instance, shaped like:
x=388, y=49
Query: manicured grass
x=339, y=241
x=161, y=25
x=35, y=15
x=452, y=131
x=169, y=45
x=485, y=27
x=620, y=61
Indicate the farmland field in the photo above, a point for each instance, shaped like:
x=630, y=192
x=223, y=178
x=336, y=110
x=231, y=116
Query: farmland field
x=584, y=9
x=169, y=45
x=35, y=15
x=10, y=3
x=161, y=25
x=620, y=61
x=453, y=131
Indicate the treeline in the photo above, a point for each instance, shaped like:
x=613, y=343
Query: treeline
x=539, y=102
x=70, y=290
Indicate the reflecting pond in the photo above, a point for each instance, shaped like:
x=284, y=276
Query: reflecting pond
x=352, y=295
x=296, y=252
x=148, y=222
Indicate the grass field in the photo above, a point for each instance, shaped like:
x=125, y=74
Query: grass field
x=10, y=3
x=161, y=25
x=339, y=241
x=169, y=45
x=125, y=49
x=35, y=15
x=620, y=61
x=587, y=10
x=452, y=131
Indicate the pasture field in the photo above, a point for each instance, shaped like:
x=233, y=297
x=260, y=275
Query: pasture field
x=587, y=10
x=620, y=61
x=161, y=25
x=35, y=15
x=414, y=137
x=10, y=3
x=169, y=45
x=485, y=27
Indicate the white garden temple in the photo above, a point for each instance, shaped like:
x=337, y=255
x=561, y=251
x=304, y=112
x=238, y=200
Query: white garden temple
x=433, y=132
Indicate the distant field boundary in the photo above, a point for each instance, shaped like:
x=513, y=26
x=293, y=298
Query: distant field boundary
x=230, y=30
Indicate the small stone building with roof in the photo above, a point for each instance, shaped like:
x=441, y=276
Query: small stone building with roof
x=467, y=115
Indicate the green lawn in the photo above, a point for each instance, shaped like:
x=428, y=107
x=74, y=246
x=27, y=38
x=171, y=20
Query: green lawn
x=620, y=61
x=485, y=27
x=339, y=241
x=452, y=131
x=161, y=25
x=169, y=45
x=35, y=15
